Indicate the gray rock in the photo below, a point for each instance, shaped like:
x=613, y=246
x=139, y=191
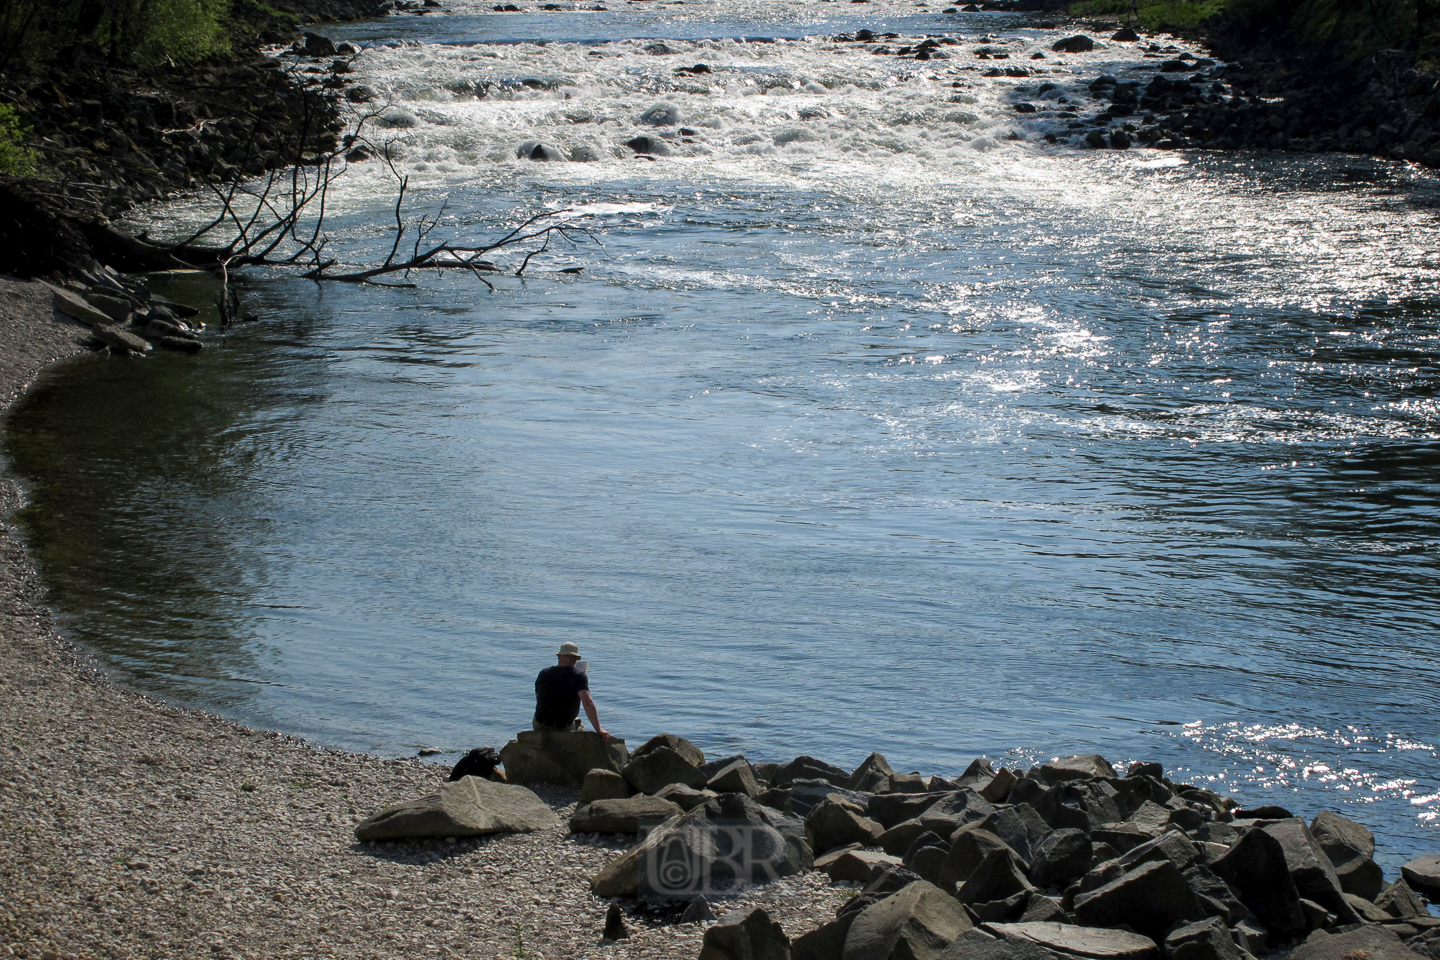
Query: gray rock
x=602, y=784
x=1019, y=826
x=893, y=808
x=955, y=809
x=120, y=340
x=1076, y=44
x=77, y=308
x=1206, y=939
x=928, y=862
x=698, y=911
x=747, y=934
x=615, y=928
x=661, y=115
x=1151, y=818
x=737, y=776
x=835, y=822
x=978, y=945
x=467, y=807
x=1043, y=909
x=703, y=840
x=1423, y=875
x=1121, y=837
x=560, y=756
x=977, y=775
x=1250, y=936
x=1060, y=858
x=967, y=851
x=917, y=923
x=1255, y=868
x=1011, y=909
x=1172, y=846
x=1368, y=942
x=826, y=942
x=998, y=789
x=659, y=767
x=116, y=308
x=898, y=838
x=1081, y=804
x=808, y=768
x=874, y=772
x=1150, y=899
x=777, y=797
x=687, y=798
x=1215, y=894
x=542, y=152
x=690, y=753
x=999, y=876
x=854, y=865
x=1310, y=868
x=1073, y=941
x=1367, y=910
x=712, y=767
x=805, y=794
x=1399, y=900
x=1089, y=765
x=621, y=815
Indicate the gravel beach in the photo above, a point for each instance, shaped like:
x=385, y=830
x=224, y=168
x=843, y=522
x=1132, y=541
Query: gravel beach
x=131, y=828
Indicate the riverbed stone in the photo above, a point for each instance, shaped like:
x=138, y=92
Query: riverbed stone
x=623, y=815
x=1082, y=766
x=808, y=768
x=1076, y=44
x=747, y=934
x=917, y=923
x=468, y=807
x=1255, y=868
x=561, y=756
x=1369, y=942
x=1423, y=875
x=1074, y=941
x=835, y=822
x=602, y=784
x=1150, y=898
x=1060, y=858
x=873, y=773
x=1310, y=868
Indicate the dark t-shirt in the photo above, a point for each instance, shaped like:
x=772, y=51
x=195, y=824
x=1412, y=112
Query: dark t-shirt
x=557, y=695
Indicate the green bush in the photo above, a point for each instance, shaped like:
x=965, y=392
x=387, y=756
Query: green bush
x=123, y=31
x=16, y=159
x=1152, y=14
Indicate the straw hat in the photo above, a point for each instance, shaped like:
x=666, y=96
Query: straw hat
x=569, y=650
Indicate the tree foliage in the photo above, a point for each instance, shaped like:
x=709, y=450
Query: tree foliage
x=33, y=33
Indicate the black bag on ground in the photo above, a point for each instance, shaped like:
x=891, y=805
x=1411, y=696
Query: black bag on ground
x=480, y=762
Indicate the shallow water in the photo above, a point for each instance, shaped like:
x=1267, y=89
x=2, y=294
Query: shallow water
x=876, y=422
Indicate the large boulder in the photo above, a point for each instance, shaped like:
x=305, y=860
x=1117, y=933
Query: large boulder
x=1423, y=875
x=1150, y=899
x=737, y=776
x=835, y=822
x=917, y=923
x=1088, y=765
x=602, y=784
x=1172, y=846
x=1076, y=44
x=854, y=865
x=1398, y=900
x=722, y=846
x=808, y=768
x=1069, y=940
x=1019, y=826
x=687, y=750
x=979, y=945
x=1311, y=869
x=805, y=794
x=898, y=838
x=871, y=775
x=468, y=807
x=1256, y=870
x=1207, y=939
x=953, y=809
x=897, y=807
x=747, y=934
x=1000, y=876
x=1370, y=942
x=1080, y=804
x=621, y=816
x=1060, y=858
x=967, y=851
x=560, y=756
x=656, y=766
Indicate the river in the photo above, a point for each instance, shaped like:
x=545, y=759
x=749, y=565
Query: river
x=874, y=421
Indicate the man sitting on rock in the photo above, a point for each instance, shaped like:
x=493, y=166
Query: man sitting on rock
x=559, y=692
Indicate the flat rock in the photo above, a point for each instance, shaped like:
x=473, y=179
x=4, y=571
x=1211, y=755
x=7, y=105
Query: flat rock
x=688, y=798
x=77, y=307
x=808, y=768
x=917, y=923
x=854, y=866
x=1369, y=942
x=1066, y=938
x=467, y=807
x=560, y=756
x=120, y=339
x=978, y=945
x=805, y=794
x=1087, y=765
x=1423, y=874
x=1207, y=939
x=621, y=815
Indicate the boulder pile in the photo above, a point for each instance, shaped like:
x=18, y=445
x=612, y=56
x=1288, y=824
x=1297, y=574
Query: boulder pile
x=1069, y=859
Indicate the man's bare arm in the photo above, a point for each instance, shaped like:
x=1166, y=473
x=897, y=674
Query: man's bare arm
x=589, y=704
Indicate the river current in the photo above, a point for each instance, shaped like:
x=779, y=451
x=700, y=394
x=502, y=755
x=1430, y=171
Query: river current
x=874, y=421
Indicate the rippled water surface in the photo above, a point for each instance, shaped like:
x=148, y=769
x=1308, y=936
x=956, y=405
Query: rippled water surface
x=874, y=421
